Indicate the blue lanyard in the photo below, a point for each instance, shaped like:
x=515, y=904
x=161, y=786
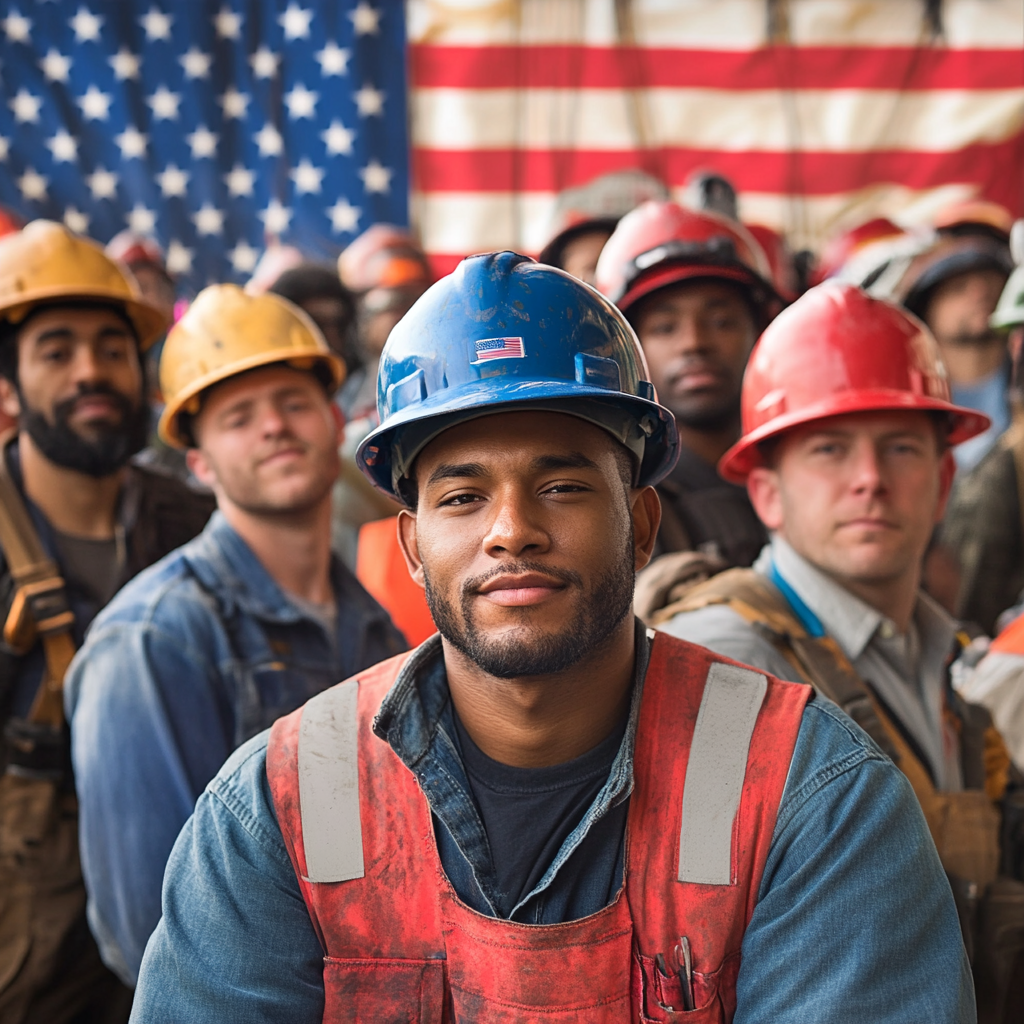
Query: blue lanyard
x=807, y=618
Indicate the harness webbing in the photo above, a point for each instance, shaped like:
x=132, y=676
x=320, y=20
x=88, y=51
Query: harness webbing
x=40, y=607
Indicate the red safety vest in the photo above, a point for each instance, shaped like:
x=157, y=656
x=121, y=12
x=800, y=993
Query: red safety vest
x=713, y=748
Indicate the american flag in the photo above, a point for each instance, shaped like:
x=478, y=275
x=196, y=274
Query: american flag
x=499, y=348
x=213, y=125
x=823, y=113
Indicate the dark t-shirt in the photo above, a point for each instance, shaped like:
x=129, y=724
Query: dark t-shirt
x=94, y=566
x=528, y=813
x=702, y=511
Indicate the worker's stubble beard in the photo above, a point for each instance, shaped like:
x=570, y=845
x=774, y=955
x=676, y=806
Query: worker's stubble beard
x=599, y=610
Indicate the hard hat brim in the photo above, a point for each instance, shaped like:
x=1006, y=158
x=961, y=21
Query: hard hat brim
x=761, y=292
x=744, y=456
x=149, y=322
x=169, y=428
x=447, y=409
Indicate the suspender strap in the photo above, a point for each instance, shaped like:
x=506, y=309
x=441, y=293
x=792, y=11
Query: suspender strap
x=715, y=772
x=40, y=606
x=328, y=760
x=818, y=660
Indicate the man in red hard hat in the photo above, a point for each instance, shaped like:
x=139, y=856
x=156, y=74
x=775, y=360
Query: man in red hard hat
x=847, y=429
x=695, y=287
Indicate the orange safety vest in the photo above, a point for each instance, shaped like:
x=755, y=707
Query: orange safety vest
x=402, y=947
x=381, y=568
x=1011, y=639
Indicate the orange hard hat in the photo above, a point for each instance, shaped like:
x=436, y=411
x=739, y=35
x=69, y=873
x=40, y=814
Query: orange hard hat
x=974, y=216
x=384, y=256
x=662, y=243
x=836, y=351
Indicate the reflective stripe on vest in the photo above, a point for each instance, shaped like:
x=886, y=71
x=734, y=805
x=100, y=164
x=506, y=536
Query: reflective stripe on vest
x=329, y=785
x=714, y=776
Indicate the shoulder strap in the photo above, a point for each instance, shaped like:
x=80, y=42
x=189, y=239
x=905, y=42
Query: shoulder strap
x=818, y=660
x=40, y=605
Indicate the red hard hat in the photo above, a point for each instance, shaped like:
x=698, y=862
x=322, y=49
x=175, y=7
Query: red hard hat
x=835, y=351
x=661, y=243
x=132, y=249
x=780, y=259
x=840, y=249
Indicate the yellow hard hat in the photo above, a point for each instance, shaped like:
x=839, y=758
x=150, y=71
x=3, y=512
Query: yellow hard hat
x=226, y=332
x=46, y=262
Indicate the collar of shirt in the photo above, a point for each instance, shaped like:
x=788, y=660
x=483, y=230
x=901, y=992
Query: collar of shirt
x=226, y=566
x=913, y=685
x=415, y=720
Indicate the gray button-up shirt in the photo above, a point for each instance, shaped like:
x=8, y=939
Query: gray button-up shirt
x=906, y=670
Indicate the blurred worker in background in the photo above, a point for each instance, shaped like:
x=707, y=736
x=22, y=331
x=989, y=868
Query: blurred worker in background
x=386, y=269
x=234, y=629
x=585, y=217
x=954, y=285
x=489, y=829
x=317, y=290
x=984, y=524
x=144, y=257
x=695, y=287
x=847, y=426
x=77, y=520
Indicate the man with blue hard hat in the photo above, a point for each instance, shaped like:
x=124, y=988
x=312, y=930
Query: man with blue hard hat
x=543, y=813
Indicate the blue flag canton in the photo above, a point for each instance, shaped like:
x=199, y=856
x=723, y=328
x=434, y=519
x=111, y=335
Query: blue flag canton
x=214, y=127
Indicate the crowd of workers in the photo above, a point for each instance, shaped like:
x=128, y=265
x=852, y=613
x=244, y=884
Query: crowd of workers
x=598, y=638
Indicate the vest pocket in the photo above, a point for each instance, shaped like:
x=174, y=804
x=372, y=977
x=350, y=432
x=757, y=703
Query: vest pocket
x=384, y=991
x=662, y=997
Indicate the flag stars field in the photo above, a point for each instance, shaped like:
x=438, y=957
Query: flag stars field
x=86, y=26
x=213, y=127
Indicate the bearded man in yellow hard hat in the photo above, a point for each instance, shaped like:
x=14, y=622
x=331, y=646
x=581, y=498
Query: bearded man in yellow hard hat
x=77, y=520
x=236, y=628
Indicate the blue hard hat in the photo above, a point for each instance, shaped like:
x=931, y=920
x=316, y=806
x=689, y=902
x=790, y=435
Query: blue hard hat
x=504, y=333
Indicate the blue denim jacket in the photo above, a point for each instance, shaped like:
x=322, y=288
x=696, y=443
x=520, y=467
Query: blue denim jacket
x=854, y=921
x=197, y=654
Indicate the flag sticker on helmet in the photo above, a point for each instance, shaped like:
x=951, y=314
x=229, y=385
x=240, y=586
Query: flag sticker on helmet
x=498, y=348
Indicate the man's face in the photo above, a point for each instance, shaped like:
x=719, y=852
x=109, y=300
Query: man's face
x=268, y=441
x=697, y=336
x=959, y=307
x=380, y=310
x=79, y=390
x=527, y=539
x=859, y=495
x=580, y=254
x=957, y=311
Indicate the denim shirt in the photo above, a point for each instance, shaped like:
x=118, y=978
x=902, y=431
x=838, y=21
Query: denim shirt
x=194, y=656
x=854, y=920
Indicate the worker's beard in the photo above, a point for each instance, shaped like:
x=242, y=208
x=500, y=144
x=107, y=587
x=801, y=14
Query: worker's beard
x=106, y=452
x=521, y=652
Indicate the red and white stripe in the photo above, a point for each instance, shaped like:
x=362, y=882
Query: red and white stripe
x=852, y=111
